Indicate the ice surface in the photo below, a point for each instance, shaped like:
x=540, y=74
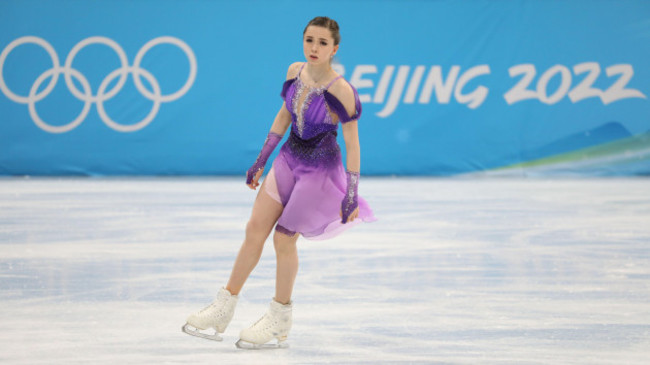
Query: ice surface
x=461, y=271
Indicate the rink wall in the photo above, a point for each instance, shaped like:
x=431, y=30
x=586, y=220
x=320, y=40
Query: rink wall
x=448, y=87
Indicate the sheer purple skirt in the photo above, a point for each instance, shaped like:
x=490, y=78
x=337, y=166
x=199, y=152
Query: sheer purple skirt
x=311, y=195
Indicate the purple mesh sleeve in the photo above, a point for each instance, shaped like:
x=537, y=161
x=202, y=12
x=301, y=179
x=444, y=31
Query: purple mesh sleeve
x=351, y=199
x=272, y=140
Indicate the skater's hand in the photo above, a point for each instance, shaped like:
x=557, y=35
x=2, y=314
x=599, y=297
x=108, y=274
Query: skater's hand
x=351, y=217
x=254, y=179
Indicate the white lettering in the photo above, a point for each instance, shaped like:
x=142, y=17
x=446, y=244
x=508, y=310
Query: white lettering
x=565, y=84
x=396, y=92
x=520, y=91
x=383, y=84
x=409, y=98
x=443, y=89
x=476, y=97
x=618, y=91
x=584, y=89
x=360, y=83
x=454, y=83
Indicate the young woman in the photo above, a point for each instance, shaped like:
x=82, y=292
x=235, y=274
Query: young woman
x=307, y=191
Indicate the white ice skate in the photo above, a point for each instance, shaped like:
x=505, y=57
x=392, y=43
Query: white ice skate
x=217, y=315
x=276, y=323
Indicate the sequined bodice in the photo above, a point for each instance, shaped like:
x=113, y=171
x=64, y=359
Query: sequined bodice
x=312, y=139
x=310, y=113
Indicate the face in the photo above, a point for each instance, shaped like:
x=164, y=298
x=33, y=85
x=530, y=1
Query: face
x=318, y=45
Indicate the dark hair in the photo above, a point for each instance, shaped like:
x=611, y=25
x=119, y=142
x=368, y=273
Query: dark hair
x=325, y=22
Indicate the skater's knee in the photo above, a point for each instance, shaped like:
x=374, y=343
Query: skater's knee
x=257, y=230
x=283, y=243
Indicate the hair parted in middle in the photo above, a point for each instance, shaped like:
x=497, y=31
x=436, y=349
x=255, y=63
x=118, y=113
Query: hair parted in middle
x=325, y=22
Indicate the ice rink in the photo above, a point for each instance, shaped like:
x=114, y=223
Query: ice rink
x=455, y=271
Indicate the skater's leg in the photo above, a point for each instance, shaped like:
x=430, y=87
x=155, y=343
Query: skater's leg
x=265, y=214
x=287, y=265
x=218, y=314
x=276, y=323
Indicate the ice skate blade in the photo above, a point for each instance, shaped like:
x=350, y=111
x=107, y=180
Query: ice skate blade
x=196, y=333
x=265, y=346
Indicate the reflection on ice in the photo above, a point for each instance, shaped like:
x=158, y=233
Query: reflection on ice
x=454, y=271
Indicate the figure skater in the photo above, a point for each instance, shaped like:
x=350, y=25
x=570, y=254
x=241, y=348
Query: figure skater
x=307, y=191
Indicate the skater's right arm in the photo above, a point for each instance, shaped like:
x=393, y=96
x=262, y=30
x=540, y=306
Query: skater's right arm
x=279, y=127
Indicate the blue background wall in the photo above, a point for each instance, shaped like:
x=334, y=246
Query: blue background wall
x=448, y=87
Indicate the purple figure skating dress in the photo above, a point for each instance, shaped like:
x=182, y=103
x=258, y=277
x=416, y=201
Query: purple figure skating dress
x=308, y=177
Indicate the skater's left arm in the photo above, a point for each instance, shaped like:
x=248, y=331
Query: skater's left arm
x=350, y=205
x=344, y=93
x=352, y=148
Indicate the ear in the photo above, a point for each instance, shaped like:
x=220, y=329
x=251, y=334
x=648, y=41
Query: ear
x=336, y=48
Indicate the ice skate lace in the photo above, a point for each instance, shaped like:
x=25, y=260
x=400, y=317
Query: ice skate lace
x=217, y=304
x=261, y=327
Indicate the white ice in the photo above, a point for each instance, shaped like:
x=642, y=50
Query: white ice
x=461, y=271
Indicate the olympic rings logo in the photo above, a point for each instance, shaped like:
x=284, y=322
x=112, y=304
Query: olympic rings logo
x=102, y=94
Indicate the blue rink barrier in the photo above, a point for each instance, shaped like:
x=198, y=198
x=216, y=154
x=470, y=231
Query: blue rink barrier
x=448, y=87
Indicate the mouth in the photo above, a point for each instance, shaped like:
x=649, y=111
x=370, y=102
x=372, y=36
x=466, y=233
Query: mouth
x=313, y=57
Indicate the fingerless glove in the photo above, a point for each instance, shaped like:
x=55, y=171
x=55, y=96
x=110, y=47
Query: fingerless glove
x=351, y=199
x=272, y=140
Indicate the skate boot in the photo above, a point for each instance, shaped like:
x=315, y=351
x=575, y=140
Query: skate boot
x=276, y=323
x=217, y=315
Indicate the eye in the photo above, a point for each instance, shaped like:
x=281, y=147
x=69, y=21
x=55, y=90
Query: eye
x=323, y=43
x=308, y=40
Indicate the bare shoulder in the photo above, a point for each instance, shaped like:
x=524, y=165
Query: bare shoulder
x=342, y=90
x=293, y=70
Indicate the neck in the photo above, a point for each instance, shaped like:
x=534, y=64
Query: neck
x=318, y=73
